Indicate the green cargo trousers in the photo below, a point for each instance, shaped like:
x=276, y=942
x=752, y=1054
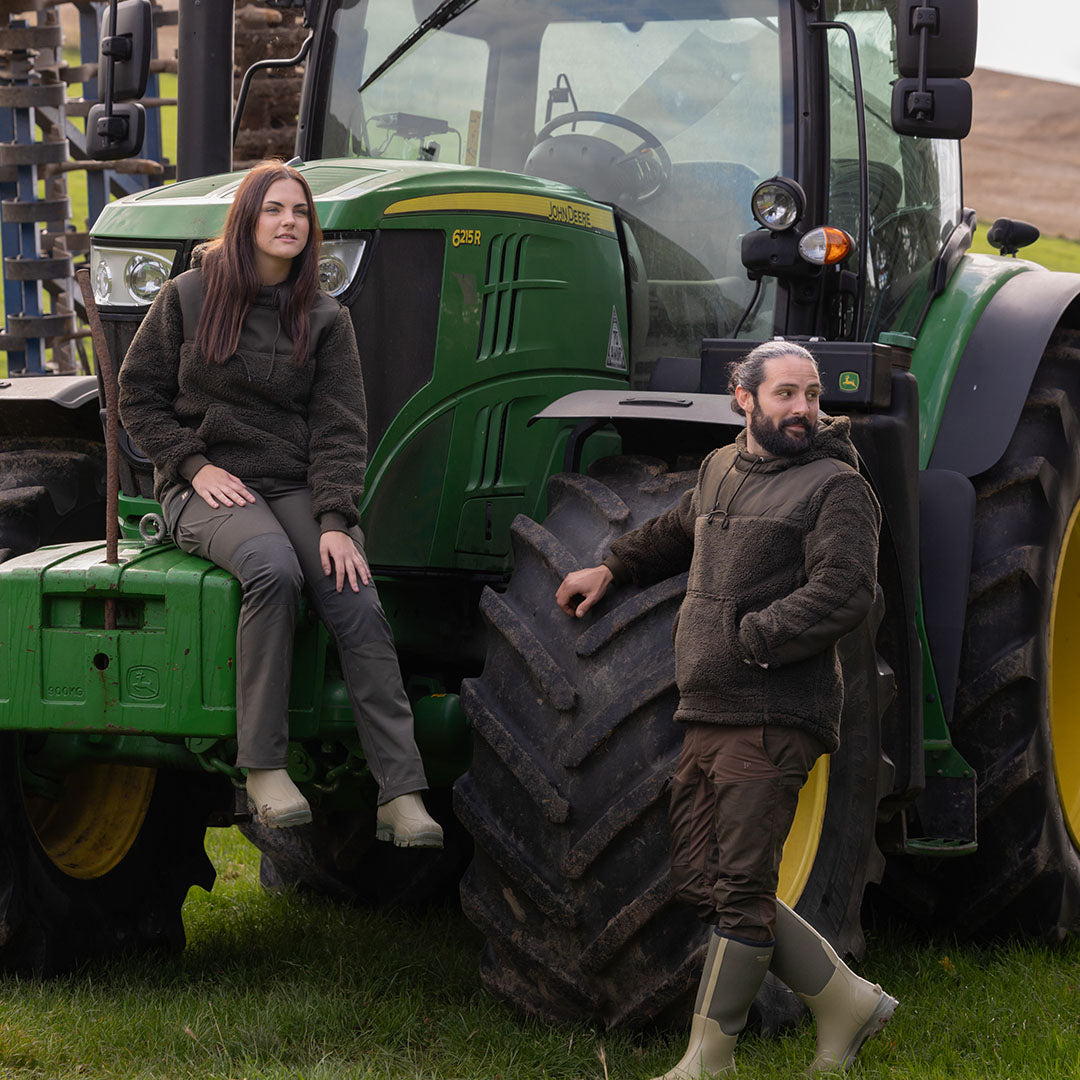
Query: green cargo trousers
x=271, y=547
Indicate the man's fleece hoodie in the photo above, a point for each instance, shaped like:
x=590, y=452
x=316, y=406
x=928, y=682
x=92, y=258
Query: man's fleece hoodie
x=782, y=553
x=260, y=414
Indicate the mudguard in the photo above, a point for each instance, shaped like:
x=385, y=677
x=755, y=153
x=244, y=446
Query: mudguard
x=997, y=367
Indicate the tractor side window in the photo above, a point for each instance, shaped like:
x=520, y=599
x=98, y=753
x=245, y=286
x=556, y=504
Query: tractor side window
x=426, y=107
x=914, y=183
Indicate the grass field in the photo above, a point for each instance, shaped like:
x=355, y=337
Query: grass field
x=300, y=989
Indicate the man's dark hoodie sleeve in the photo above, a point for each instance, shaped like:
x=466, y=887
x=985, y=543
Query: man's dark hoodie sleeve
x=662, y=546
x=840, y=553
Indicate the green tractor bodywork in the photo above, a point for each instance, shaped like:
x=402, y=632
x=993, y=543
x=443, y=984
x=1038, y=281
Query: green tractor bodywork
x=539, y=216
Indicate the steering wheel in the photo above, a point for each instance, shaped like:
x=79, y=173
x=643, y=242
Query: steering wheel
x=643, y=175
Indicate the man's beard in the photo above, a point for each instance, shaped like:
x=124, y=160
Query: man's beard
x=775, y=440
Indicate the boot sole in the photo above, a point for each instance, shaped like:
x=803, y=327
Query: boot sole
x=281, y=821
x=881, y=1015
x=418, y=840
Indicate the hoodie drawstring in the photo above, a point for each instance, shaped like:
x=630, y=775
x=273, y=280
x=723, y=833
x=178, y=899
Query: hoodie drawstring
x=734, y=495
x=273, y=350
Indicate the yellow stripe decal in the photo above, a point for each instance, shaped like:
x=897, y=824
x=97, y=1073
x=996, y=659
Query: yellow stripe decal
x=562, y=211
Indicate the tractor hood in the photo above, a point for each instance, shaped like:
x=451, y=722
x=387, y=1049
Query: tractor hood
x=355, y=194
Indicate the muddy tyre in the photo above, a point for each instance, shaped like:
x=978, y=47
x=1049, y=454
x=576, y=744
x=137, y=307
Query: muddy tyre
x=97, y=862
x=52, y=491
x=1017, y=716
x=573, y=752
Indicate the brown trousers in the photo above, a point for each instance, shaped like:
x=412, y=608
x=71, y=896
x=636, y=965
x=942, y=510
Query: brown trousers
x=733, y=800
x=272, y=547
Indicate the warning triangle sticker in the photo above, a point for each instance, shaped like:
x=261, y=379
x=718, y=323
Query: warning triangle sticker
x=616, y=357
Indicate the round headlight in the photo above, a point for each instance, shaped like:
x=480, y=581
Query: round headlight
x=102, y=283
x=825, y=245
x=777, y=204
x=144, y=277
x=333, y=274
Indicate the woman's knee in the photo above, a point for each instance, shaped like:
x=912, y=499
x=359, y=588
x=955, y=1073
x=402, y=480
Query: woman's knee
x=268, y=570
x=354, y=618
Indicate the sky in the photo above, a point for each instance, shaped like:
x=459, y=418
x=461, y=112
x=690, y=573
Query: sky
x=1039, y=38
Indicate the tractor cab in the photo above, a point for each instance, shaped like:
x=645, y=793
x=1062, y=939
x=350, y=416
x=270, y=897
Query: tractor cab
x=673, y=114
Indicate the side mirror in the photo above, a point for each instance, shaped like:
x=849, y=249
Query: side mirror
x=116, y=131
x=116, y=134
x=949, y=29
x=125, y=50
x=940, y=111
x=1010, y=236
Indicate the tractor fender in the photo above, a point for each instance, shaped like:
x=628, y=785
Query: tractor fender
x=997, y=367
x=946, y=538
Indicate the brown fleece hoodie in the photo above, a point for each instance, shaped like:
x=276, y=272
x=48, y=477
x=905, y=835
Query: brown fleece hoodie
x=782, y=554
x=259, y=414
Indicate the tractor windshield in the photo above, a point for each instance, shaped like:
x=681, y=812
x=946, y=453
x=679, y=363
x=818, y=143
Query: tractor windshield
x=669, y=112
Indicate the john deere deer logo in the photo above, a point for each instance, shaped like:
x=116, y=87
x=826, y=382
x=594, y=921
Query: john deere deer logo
x=849, y=381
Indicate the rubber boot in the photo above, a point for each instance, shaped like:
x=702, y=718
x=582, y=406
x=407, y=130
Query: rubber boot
x=405, y=821
x=276, y=800
x=734, y=972
x=848, y=1010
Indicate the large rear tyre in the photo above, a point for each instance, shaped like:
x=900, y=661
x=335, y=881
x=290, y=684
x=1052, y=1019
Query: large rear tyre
x=52, y=491
x=97, y=863
x=567, y=795
x=1017, y=718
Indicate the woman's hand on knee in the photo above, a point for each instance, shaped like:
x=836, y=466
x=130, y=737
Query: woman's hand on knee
x=340, y=557
x=214, y=484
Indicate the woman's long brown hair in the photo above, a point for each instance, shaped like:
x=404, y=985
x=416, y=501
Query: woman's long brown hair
x=231, y=282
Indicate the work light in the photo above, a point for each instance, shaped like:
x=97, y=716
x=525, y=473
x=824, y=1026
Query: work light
x=778, y=204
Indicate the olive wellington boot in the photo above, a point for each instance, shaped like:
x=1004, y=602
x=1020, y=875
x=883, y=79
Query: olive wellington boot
x=848, y=1010
x=734, y=972
x=276, y=800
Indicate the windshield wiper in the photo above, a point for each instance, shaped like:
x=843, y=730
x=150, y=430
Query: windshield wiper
x=447, y=10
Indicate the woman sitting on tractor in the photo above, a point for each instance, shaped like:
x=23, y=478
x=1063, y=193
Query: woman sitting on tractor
x=243, y=387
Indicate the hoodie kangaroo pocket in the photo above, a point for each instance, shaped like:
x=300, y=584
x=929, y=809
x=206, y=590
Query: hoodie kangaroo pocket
x=707, y=655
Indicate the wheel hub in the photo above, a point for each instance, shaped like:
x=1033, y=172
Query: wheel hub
x=1065, y=676
x=801, y=846
x=90, y=829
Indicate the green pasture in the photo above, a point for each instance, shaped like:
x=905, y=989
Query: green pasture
x=297, y=988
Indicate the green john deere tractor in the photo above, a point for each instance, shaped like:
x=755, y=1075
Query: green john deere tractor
x=555, y=224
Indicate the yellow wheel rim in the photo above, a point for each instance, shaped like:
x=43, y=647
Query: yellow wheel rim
x=89, y=830
x=1064, y=678
x=801, y=846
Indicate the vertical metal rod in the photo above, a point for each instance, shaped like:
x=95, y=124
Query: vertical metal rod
x=110, y=64
x=864, y=169
x=112, y=433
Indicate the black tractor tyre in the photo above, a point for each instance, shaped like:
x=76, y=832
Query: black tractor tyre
x=567, y=795
x=1017, y=715
x=52, y=491
x=50, y=919
x=338, y=856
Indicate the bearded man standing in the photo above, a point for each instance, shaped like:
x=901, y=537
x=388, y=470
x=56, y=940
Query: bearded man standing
x=780, y=537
